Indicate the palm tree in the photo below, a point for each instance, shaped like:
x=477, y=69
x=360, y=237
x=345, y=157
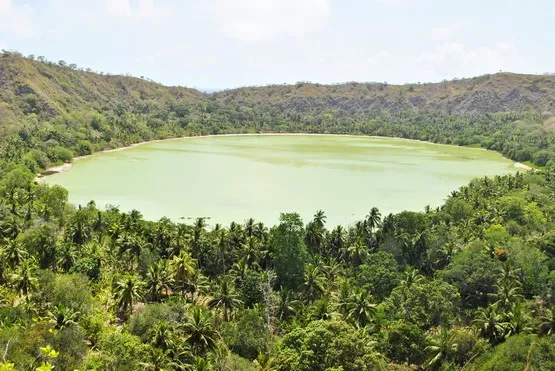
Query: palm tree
x=547, y=322
x=126, y=291
x=132, y=245
x=441, y=348
x=264, y=362
x=225, y=298
x=260, y=231
x=198, y=327
x=159, y=360
x=251, y=251
x=79, y=228
x=162, y=336
x=518, y=320
x=411, y=277
x=321, y=309
x=287, y=305
x=314, y=237
x=332, y=269
x=14, y=253
x=61, y=317
x=313, y=285
x=337, y=241
x=239, y=271
x=357, y=252
x=183, y=268
x=23, y=279
x=490, y=323
x=68, y=257
x=373, y=219
x=198, y=284
x=360, y=308
x=158, y=280
x=320, y=219
x=507, y=292
x=249, y=227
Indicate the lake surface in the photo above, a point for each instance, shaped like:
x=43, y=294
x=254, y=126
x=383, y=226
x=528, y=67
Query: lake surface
x=232, y=178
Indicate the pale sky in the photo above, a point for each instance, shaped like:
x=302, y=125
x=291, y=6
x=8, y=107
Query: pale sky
x=231, y=43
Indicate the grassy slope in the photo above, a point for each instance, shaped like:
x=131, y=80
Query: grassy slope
x=62, y=90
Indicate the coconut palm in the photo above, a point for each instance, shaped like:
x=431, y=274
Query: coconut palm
x=286, y=305
x=441, y=348
x=23, y=279
x=249, y=227
x=373, y=219
x=360, y=308
x=183, y=267
x=14, y=254
x=517, y=320
x=314, y=237
x=199, y=328
x=490, y=323
x=162, y=336
x=127, y=291
x=320, y=218
x=133, y=245
x=198, y=284
x=225, y=298
x=260, y=231
x=158, y=280
x=251, y=251
x=61, y=317
x=411, y=277
x=314, y=282
x=357, y=252
x=68, y=257
x=547, y=322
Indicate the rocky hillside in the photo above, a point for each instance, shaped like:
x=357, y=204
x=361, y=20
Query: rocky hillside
x=48, y=89
x=484, y=94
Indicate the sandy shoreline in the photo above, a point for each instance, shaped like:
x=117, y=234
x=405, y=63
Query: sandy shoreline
x=66, y=166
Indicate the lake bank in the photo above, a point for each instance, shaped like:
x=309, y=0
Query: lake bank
x=66, y=166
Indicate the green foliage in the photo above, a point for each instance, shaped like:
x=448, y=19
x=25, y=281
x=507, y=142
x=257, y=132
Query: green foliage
x=520, y=352
x=289, y=251
x=248, y=335
x=324, y=345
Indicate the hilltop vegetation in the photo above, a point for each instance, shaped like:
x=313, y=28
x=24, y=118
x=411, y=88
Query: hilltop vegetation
x=470, y=284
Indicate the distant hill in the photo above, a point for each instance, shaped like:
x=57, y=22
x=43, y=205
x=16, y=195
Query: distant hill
x=485, y=94
x=48, y=89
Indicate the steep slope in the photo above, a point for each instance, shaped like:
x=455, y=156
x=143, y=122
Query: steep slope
x=47, y=89
x=484, y=94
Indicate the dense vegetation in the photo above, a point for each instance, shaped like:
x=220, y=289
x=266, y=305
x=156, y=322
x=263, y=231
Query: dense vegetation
x=471, y=284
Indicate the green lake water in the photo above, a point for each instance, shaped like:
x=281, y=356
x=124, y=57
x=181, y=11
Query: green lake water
x=232, y=178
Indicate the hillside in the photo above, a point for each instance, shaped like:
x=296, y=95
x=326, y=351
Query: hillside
x=484, y=94
x=47, y=108
x=48, y=89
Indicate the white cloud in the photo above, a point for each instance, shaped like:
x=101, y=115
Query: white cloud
x=143, y=10
x=16, y=20
x=447, y=31
x=255, y=20
x=453, y=58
